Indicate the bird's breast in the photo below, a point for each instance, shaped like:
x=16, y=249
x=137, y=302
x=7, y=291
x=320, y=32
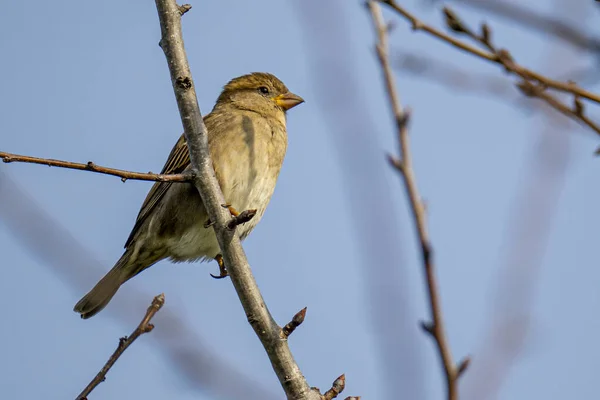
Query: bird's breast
x=247, y=162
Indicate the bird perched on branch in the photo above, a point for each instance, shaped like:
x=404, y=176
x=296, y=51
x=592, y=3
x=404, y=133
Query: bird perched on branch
x=247, y=140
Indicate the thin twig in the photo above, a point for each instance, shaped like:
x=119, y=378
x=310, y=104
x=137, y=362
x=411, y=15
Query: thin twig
x=511, y=329
x=534, y=20
x=326, y=29
x=509, y=64
x=451, y=76
x=458, y=78
x=454, y=77
x=144, y=327
x=181, y=349
x=90, y=166
x=265, y=327
x=529, y=89
x=529, y=79
x=404, y=167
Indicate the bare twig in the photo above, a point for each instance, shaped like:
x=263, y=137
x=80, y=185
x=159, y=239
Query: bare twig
x=532, y=90
x=404, y=166
x=531, y=87
x=452, y=76
x=90, y=166
x=144, y=327
x=501, y=57
x=191, y=357
x=265, y=327
x=534, y=20
x=329, y=37
x=529, y=78
x=512, y=314
x=291, y=326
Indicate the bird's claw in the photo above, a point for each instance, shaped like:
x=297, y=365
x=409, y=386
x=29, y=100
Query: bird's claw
x=222, y=270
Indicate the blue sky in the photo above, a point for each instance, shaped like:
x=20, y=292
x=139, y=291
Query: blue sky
x=87, y=81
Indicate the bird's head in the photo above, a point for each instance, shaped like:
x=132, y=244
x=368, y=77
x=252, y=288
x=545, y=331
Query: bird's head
x=259, y=92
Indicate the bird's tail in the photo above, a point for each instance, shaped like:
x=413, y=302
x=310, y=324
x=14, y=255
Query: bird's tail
x=101, y=294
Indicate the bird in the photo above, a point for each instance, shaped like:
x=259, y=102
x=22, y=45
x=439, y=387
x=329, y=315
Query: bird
x=247, y=140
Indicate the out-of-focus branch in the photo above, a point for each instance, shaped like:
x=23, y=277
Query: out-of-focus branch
x=191, y=358
x=454, y=77
x=265, y=327
x=533, y=20
x=530, y=86
x=404, y=166
x=90, y=166
x=511, y=314
x=530, y=19
x=451, y=76
x=329, y=43
x=144, y=327
x=577, y=109
x=501, y=57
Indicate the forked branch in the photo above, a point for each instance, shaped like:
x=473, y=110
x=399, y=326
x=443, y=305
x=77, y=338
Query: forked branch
x=490, y=52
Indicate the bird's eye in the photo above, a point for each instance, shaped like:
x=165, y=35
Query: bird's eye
x=263, y=90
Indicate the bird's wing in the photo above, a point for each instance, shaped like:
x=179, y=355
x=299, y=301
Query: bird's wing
x=178, y=161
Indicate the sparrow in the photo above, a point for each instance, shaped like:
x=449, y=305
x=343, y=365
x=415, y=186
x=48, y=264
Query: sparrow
x=247, y=140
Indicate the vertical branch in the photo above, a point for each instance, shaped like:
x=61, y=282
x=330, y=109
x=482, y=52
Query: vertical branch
x=404, y=166
x=265, y=327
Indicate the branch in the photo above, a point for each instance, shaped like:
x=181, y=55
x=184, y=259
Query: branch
x=332, y=70
x=533, y=20
x=265, y=327
x=404, y=166
x=90, y=166
x=452, y=76
x=576, y=111
x=182, y=350
x=499, y=56
x=144, y=327
x=509, y=332
x=530, y=86
x=525, y=73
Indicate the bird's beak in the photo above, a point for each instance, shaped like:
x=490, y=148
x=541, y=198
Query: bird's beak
x=288, y=100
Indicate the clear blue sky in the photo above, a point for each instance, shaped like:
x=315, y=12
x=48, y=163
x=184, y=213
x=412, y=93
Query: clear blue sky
x=87, y=81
